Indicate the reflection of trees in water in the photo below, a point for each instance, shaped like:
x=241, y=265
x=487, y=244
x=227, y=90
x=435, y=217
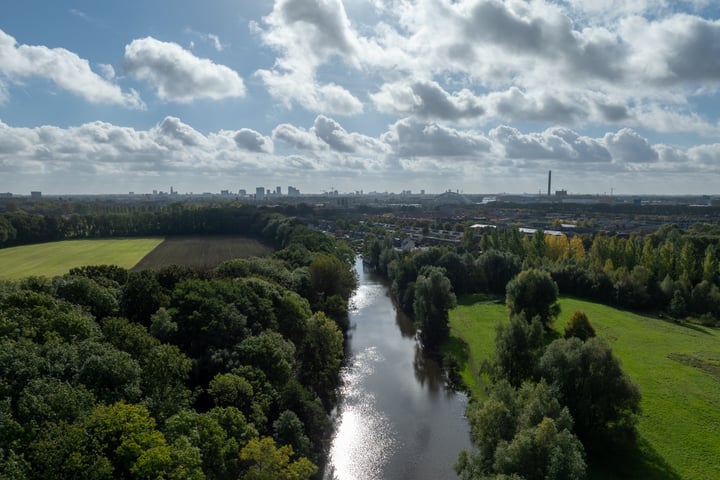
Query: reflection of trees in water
x=427, y=371
x=404, y=323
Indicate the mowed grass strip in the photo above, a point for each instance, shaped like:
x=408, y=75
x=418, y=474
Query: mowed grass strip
x=202, y=251
x=674, y=365
x=56, y=258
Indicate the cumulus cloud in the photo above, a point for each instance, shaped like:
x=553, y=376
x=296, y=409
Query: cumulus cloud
x=64, y=68
x=627, y=146
x=307, y=33
x=327, y=135
x=560, y=144
x=298, y=137
x=410, y=138
x=427, y=99
x=253, y=141
x=178, y=75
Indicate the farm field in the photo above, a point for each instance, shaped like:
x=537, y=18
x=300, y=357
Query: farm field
x=201, y=251
x=676, y=366
x=56, y=258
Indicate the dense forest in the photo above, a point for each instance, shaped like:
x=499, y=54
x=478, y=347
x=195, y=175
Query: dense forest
x=176, y=373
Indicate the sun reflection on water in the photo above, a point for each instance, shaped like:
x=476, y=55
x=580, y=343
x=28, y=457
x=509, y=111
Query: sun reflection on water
x=364, y=438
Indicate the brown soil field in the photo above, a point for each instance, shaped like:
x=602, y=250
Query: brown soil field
x=201, y=251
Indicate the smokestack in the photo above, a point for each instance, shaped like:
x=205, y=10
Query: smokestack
x=549, y=181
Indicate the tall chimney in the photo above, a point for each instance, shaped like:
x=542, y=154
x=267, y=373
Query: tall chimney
x=549, y=181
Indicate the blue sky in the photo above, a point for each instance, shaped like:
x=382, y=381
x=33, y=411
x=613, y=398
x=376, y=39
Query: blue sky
x=377, y=95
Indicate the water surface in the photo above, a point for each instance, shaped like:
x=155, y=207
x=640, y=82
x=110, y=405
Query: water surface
x=395, y=418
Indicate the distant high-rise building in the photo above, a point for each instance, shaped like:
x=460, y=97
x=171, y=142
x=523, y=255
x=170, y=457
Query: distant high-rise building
x=259, y=192
x=35, y=194
x=278, y=190
x=292, y=191
x=242, y=192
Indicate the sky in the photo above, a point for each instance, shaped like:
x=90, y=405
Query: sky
x=478, y=96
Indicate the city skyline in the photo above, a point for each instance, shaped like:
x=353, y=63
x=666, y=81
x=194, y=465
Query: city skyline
x=382, y=95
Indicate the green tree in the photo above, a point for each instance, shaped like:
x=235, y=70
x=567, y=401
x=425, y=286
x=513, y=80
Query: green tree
x=433, y=299
x=665, y=262
x=517, y=345
x=331, y=276
x=228, y=389
x=710, y=264
x=320, y=356
x=579, y=326
x=533, y=293
x=142, y=296
x=166, y=372
x=688, y=265
x=289, y=430
x=523, y=433
x=218, y=436
x=602, y=399
x=678, y=307
x=267, y=462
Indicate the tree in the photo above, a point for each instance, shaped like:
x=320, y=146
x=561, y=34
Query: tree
x=521, y=433
x=331, y=276
x=579, y=326
x=576, y=249
x=433, y=299
x=100, y=301
x=218, y=435
x=228, y=389
x=688, y=264
x=267, y=462
x=497, y=269
x=533, y=293
x=517, y=344
x=289, y=430
x=710, y=264
x=678, y=307
x=142, y=296
x=602, y=399
x=320, y=354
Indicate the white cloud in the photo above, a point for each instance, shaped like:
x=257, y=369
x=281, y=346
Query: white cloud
x=427, y=100
x=327, y=135
x=178, y=75
x=253, y=141
x=627, y=146
x=410, y=138
x=557, y=144
x=64, y=68
x=308, y=33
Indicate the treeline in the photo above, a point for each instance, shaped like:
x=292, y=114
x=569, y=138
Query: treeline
x=177, y=373
x=671, y=270
x=21, y=228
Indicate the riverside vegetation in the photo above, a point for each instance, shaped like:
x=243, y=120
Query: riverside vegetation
x=549, y=407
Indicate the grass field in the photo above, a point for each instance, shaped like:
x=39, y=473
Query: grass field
x=677, y=368
x=56, y=258
x=202, y=251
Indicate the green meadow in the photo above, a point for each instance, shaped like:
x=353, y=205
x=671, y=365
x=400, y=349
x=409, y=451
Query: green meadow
x=676, y=366
x=56, y=258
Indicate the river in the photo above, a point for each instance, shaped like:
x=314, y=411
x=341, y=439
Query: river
x=396, y=419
